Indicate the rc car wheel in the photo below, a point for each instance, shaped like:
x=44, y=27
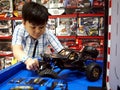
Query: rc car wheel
x=93, y=71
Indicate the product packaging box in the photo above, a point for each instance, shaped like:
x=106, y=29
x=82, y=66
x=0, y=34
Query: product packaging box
x=66, y=26
x=5, y=62
x=51, y=25
x=5, y=27
x=17, y=7
x=15, y=23
x=6, y=8
x=88, y=26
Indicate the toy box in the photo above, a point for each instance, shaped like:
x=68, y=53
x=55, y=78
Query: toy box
x=6, y=62
x=98, y=6
x=5, y=27
x=101, y=26
x=51, y=25
x=89, y=26
x=74, y=6
x=17, y=7
x=5, y=46
x=6, y=8
x=66, y=26
x=55, y=7
x=16, y=22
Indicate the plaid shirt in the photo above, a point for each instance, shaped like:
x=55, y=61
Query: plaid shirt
x=22, y=37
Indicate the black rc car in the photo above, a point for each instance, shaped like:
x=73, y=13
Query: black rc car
x=70, y=59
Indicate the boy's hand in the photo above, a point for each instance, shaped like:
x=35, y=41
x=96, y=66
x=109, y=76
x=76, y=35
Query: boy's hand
x=32, y=64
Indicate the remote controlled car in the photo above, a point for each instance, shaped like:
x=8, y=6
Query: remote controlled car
x=69, y=59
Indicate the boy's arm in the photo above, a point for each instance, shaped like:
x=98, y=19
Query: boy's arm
x=20, y=55
x=18, y=52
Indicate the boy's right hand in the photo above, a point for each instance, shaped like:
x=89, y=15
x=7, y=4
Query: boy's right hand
x=32, y=64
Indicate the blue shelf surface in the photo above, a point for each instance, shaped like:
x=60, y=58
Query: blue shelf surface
x=76, y=80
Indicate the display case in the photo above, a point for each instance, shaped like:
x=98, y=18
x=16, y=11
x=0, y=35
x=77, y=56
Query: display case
x=5, y=41
x=75, y=27
x=78, y=30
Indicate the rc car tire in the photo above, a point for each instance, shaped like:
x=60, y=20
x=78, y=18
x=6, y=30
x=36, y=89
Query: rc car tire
x=93, y=71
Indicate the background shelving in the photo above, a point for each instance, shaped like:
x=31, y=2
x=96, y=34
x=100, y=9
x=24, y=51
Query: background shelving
x=71, y=19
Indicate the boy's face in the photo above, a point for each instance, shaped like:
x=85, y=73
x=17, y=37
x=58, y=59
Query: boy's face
x=34, y=31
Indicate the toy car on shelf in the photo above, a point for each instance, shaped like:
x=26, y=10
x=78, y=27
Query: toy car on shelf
x=69, y=59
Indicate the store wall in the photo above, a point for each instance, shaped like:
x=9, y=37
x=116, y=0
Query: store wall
x=114, y=74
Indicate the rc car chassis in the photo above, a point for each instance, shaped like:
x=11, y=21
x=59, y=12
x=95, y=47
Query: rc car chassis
x=69, y=59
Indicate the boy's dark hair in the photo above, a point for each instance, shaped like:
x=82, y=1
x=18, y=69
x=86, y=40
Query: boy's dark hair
x=35, y=13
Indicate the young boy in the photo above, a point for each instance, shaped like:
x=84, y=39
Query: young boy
x=31, y=38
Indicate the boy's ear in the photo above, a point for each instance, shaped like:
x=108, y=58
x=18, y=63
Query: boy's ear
x=23, y=21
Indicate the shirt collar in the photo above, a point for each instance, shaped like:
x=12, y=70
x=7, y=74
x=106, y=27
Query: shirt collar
x=25, y=32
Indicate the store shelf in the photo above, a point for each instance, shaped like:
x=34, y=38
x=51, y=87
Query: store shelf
x=91, y=15
x=10, y=18
x=4, y=54
x=59, y=16
x=77, y=15
x=73, y=42
x=81, y=37
x=90, y=37
x=5, y=37
x=66, y=37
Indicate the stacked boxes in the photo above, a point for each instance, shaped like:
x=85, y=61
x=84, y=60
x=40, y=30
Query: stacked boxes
x=66, y=20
